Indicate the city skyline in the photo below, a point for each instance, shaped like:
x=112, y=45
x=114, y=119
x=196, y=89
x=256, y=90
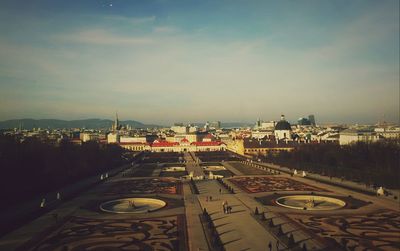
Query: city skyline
x=171, y=61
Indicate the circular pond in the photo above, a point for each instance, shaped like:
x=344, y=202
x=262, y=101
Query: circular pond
x=132, y=205
x=310, y=202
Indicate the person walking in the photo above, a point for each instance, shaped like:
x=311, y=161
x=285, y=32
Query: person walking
x=225, y=206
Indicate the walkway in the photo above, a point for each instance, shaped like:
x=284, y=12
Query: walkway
x=238, y=230
x=196, y=237
x=192, y=166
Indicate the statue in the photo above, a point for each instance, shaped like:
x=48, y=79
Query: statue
x=380, y=191
x=304, y=174
x=43, y=203
x=132, y=204
x=310, y=203
x=295, y=172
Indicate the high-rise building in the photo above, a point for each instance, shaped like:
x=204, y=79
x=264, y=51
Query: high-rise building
x=303, y=121
x=311, y=118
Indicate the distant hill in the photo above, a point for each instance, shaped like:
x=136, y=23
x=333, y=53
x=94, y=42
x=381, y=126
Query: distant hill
x=57, y=123
x=228, y=124
x=236, y=124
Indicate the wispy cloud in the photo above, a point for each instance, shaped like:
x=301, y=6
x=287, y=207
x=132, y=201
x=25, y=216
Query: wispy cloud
x=131, y=20
x=165, y=29
x=103, y=37
x=146, y=66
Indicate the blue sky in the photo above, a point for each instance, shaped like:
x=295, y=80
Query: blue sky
x=164, y=61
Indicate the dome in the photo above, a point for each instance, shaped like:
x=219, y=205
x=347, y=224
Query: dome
x=283, y=125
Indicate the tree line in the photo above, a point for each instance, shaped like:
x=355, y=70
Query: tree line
x=32, y=167
x=376, y=163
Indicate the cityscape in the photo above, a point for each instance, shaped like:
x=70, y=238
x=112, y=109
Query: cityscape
x=199, y=126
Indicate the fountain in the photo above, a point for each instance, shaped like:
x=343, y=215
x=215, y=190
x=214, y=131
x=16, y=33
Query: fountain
x=132, y=205
x=310, y=202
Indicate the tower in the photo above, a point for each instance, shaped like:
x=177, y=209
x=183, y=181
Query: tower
x=116, y=125
x=311, y=118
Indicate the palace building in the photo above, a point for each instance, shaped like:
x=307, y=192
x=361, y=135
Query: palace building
x=183, y=146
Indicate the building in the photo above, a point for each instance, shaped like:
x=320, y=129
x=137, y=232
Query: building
x=216, y=125
x=116, y=126
x=303, y=121
x=127, y=139
x=207, y=126
x=85, y=137
x=255, y=147
x=328, y=137
x=268, y=125
x=264, y=124
x=193, y=129
x=135, y=146
x=113, y=138
x=283, y=130
x=258, y=123
x=311, y=118
x=191, y=137
x=350, y=136
x=180, y=129
x=261, y=134
x=388, y=132
x=185, y=146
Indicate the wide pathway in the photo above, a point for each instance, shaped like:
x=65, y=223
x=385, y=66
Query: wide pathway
x=196, y=237
x=192, y=166
x=238, y=230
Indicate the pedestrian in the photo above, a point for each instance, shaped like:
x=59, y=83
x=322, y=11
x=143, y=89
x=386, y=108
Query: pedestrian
x=207, y=198
x=220, y=191
x=210, y=198
x=230, y=209
x=224, y=207
x=277, y=245
x=270, y=246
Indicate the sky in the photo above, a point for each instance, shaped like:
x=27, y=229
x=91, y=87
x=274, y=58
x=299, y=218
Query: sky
x=190, y=61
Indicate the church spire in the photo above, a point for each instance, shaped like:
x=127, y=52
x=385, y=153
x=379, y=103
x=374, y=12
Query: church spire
x=116, y=122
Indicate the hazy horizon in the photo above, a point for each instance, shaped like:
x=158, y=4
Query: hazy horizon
x=160, y=62
x=291, y=120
